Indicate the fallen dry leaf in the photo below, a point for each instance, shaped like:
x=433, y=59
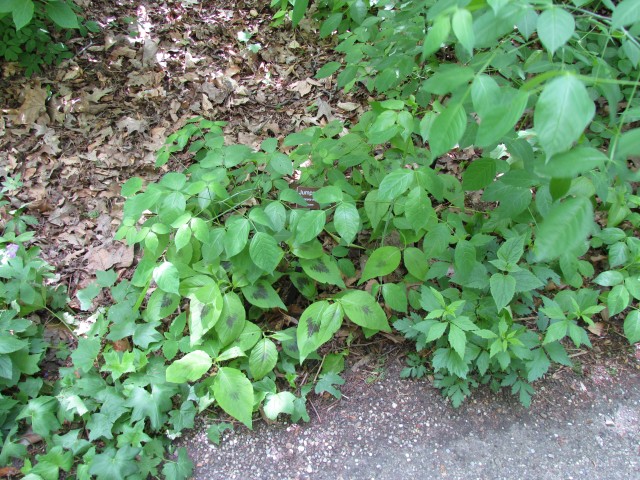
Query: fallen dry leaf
x=32, y=107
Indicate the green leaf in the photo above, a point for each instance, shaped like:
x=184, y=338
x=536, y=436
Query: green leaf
x=22, y=13
x=632, y=326
x=564, y=228
x=498, y=120
x=167, y=277
x=263, y=358
x=189, y=368
x=416, y=263
x=382, y=261
x=10, y=343
x=555, y=27
x=153, y=406
x=462, y=24
x=161, y=305
x=395, y=184
x=436, y=330
x=479, y=174
x=237, y=235
x=457, y=339
x=234, y=393
x=232, y=319
x=618, y=299
x=563, y=111
x=512, y=250
x=317, y=324
x=326, y=383
x=310, y=224
x=538, y=366
x=61, y=14
x=395, y=296
x=375, y=208
x=40, y=412
x=204, y=315
x=626, y=12
x=503, y=288
x=327, y=70
x=181, y=469
x=261, y=294
x=447, y=129
x=418, y=209
x=384, y=128
x=436, y=36
x=277, y=403
x=346, y=220
x=572, y=163
x=328, y=194
x=609, y=278
x=265, y=252
x=114, y=464
x=556, y=331
x=362, y=309
x=323, y=269
x=358, y=10
x=299, y=9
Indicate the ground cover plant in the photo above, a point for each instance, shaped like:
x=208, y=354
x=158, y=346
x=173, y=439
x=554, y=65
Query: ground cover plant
x=494, y=268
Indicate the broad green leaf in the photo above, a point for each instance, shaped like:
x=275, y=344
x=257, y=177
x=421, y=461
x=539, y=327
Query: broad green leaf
x=277, y=403
x=22, y=13
x=86, y=353
x=327, y=70
x=479, y=174
x=153, y=406
x=609, y=278
x=556, y=331
x=167, y=277
x=346, y=220
x=457, y=339
x=501, y=117
x=435, y=331
x=362, y=309
x=40, y=412
x=447, y=78
x=528, y=22
x=358, y=10
x=418, y=209
x=618, y=299
x=263, y=358
x=626, y=12
x=261, y=294
x=182, y=237
x=632, y=326
x=310, y=224
x=563, y=111
x=572, y=163
x=328, y=194
x=323, y=269
x=234, y=393
x=462, y=25
x=416, y=263
x=10, y=344
x=538, y=366
x=251, y=334
x=395, y=184
x=503, y=288
x=160, y=305
x=317, y=324
x=565, y=227
x=204, y=315
x=384, y=128
x=281, y=164
x=436, y=36
x=237, y=235
x=265, y=252
x=375, y=208
x=181, y=469
x=61, y=14
x=189, y=368
x=299, y=9
x=526, y=281
x=114, y=464
x=512, y=250
x=277, y=215
x=230, y=353
x=232, y=319
x=131, y=187
x=395, y=296
x=555, y=27
x=382, y=261
x=447, y=129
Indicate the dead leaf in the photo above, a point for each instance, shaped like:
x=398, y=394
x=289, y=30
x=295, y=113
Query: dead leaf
x=596, y=328
x=302, y=87
x=132, y=125
x=324, y=110
x=32, y=107
x=348, y=106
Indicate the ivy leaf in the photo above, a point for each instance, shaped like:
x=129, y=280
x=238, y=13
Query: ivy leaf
x=261, y=294
x=362, y=309
x=555, y=27
x=503, y=288
x=265, y=252
x=632, y=326
x=152, y=405
x=180, y=469
x=167, y=277
x=115, y=464
x=277, y=403
x=564, y=228
x=326, y=383
x=189, y=368
x=40, y=412
x=263, y=358
x=234, y=393
x=346, y=220
x=382, y=261
x=563, y=111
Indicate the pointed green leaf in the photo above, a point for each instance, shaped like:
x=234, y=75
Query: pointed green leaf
x=375, y=208
x=232, y=319
x=382, y=261
x=479, y=174
x=555, y=27
x=265, y=252
x=416, y=263
x=626, y=12
x=323, y=269
x=22, y=13
x=457, y=339
x=167, y=277
x=362, y=309
x=395, y=296
x=346, y=220
x=436, y=36
x=462, y=24
x=503, y=288
x=234, y=393
x=317, y=324
x=189, y=368
x=277, y=403
x=203, y=316
x=447, y=129
x=632, y=326
x=395, y=184
x=263, y=358
x=261, y=294
x=237, y=235
x=310, y=224
x=61, y=13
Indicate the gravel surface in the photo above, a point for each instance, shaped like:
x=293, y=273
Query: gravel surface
x=579, y=426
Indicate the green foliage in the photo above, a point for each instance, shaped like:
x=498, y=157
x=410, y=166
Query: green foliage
x=29, y=32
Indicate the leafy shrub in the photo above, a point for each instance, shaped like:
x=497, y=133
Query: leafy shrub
x=27, y=32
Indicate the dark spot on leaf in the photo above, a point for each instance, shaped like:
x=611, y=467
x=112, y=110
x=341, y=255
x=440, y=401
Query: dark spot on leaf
x=303, y=282
x=231, y=319
x=235, y=396
x=205, y=311
x=260, y=293
x=366, y=310
x=312, y=327
x=320, y=267
x=167, y=300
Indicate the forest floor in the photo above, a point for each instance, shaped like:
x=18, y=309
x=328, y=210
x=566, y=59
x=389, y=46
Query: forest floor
x=76, y=133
